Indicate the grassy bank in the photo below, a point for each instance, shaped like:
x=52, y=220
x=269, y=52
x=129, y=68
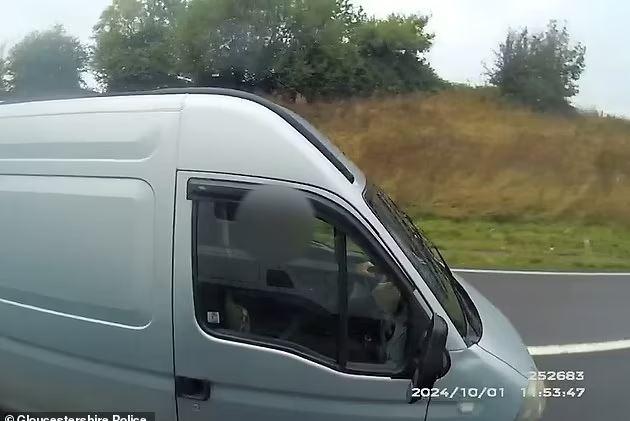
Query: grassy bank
x=530, y=246
x=559, y=186
x=468, y=154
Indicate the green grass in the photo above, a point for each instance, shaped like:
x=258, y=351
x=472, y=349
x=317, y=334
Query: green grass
x=530, y=245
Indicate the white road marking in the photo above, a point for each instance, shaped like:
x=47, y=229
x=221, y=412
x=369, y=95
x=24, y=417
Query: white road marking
x=580, y=348
x=526, y=272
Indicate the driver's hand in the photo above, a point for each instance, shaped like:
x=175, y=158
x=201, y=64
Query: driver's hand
x=366, y=268
x=387, y=296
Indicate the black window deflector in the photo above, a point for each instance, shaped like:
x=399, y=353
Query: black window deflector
x=205, y=188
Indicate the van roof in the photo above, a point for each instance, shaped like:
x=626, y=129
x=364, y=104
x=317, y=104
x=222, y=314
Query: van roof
x=172, y=99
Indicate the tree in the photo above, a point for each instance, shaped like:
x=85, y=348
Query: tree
x=48, y=62
x=393, y=50
x=541, y=69
x=4, y=86
x=314, y=48
x=232, y=43
x=320, y=58
x=134, y=45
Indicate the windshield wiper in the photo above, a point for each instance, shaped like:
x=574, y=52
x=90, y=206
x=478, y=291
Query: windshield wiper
x=463, y=300
x=406, y=223
x=443, y=261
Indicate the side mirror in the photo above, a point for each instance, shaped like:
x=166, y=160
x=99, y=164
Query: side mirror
x=432, y=360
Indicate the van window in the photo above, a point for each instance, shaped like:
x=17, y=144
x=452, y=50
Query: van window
x=337, y=302
x=377, y=311
x=418, y=249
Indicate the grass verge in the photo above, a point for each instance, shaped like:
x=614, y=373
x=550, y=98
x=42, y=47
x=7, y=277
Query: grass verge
x=467, y=154
x=529, y=245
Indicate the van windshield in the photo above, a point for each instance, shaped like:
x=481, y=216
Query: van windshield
x=421, y=253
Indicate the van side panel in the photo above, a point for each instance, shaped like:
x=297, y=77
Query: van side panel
x=119, y=136
x=86, y=228
x=79, y=247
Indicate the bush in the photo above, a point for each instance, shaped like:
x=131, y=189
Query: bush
x=539, y=69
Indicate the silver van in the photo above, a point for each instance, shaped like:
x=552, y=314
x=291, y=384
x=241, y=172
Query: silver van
x=130, y=282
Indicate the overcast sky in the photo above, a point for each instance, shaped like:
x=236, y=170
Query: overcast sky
x=467, y=31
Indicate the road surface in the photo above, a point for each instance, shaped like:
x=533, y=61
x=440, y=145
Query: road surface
x=570, y=309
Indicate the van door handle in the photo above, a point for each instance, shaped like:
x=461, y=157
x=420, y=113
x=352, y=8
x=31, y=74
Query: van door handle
x=194, y=389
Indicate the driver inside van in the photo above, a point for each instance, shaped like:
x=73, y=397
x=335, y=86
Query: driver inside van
x=390, y=309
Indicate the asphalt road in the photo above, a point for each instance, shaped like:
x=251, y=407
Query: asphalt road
x=567, y=309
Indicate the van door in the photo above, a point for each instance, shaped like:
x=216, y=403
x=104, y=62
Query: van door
x=85, y=294
x=325, y=336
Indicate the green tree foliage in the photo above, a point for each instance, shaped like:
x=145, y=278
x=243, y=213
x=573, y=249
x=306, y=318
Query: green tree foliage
x=313, y=48
x=46, y=63
x=540, y=69
x=4, y=86
x=393, y=52
x=316, y=48
x=134, y=45
x=231, y=42
x=319, y=57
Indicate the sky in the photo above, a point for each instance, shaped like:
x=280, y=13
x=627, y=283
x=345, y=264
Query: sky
x=466, y=34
